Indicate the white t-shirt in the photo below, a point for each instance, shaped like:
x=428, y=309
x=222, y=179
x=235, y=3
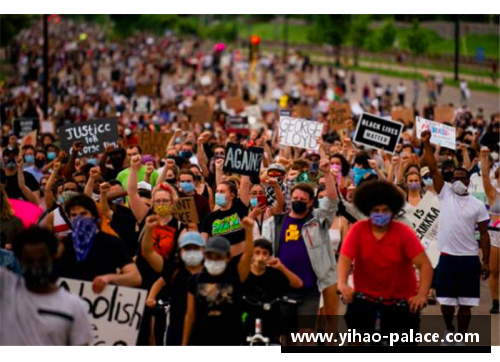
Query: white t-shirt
x=457, y=222
x=29, y=319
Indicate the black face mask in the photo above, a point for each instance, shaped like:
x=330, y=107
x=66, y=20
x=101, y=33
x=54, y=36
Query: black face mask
x=299, y=207
x=117, y=163
x=171, y=181
x=37, y=277
x=39, y=163
x=10, y=163
x=197, y=178
x=448, y=176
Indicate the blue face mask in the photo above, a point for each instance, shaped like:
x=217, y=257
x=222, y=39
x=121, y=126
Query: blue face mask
x=427, y=181
x=254, y=202
x=185, y=154
x=380, y=218
x=359, y=174
x=187, y=186
x=220, y=199
x=321, y=202
x=51, y=155
x=92, y=161
x=29, y=158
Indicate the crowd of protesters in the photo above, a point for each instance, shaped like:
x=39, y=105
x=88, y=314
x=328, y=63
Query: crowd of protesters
x=315, y=227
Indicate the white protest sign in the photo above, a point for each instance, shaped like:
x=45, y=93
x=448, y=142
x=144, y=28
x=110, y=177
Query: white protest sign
x=301, y=133
x=441, y=134
x=476, y=188
x=115, y=314
x=425, y=220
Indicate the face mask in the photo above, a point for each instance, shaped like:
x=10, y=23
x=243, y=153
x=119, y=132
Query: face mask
x=380, y=218
x=314, y=167
x=215, y=267
x=162, y=210
x=37, y=277
x=29, y=158
x=259, y=263
x=303, y=177
x=187, y=186
x=81, y=185
x=197, y=178
x=338, y=168
x=178, y=140
x=65, y=196
x=359, y=174
x=118, y=201
x=171, y=181
x=51, y=155
x=479, y=165
x=10, y=163
x=185, y=154
x=92, y=161
x=39, y=163
x=220, y=199
x=459, y=188
x=299, y=207
x=192, y=257
x=494, y=156
x=414, y=186
x=95, y=197
x=448, y=176
x=117, y=163
x=83, y=236
x=428, y=181
x=254, y=202
x=321, y=202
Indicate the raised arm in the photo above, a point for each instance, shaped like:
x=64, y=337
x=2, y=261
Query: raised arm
x=50, y=199
x=245, y=186
x=154, y=259
x=246, y=258
x=218, y=171
x=70, y=167
x=429, y=160
x=138, y=207
x=30, y=195
x=103, y=199
x=490, y=191
x=465, y=156
x=380, y=174
x=331, y=190
x=89, y=186
x=280, y=198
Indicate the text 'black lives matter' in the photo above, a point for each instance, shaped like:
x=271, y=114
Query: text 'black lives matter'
x=243, y=161
x=378, y=132
x=23, y=126
x=95, y=135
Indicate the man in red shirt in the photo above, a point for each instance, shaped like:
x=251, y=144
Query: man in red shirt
x=384, y=252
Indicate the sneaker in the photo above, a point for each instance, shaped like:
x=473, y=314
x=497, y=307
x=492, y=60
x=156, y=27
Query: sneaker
x=444, y=341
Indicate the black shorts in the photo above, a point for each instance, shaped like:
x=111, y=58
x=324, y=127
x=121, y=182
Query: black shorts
x=458, y=280
x=302, y=314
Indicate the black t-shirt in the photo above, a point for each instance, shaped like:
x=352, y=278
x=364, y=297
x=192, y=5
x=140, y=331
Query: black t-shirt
x=125, y=225
x=265, y=288
x=108, y=253
x=227, y=223
x=218, y=313
x=12, y=188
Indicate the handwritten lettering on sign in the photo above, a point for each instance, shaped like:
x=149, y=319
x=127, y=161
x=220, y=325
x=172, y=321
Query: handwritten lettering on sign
x=300, y=133
x=185, y=210
x=95, y=135
x=153, y=143
x=339, y=114
x=115, y=314
x=23, y=126
x=243, y=161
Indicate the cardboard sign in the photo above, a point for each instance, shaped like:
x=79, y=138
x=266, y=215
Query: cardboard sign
x=425, y=220
x=377, y=132
x=185, y=210
x=444, y=114
x=202, y=100
x=23, y=126
x=235, y=103
x=300, y=133
x=153, y=143
x=148, y=90
x=200, y=113
x=142, y=105
x=339, y=114
x=476, y=188
x=95, y=135
x=302, y=111
x=237, y=124
x=47, y=127
x=243, y=161
x=253, y=111
x=30, y=139
x=407, y=115
x=441, y=134
x=115, y=314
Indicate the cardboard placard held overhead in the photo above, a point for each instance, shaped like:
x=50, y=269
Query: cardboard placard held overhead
x=146, y=90
x=185, y=210
x=301, y=111
x=200, y=113
x=243, y=161
x=115, y=314
x=30, y=139
x=202, y=100
x=300, y=133
x=153, y=143
x=377, y=132
x=444, y=114
x=235, y=103
x=23, y=126
x=237, y=124
x=339, y=114
x=407, y=115
x=95, y=135
x=441, y=134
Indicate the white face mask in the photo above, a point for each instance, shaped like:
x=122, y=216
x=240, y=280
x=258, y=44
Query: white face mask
x=215, y=267
x=459, y=188
x=192, y=257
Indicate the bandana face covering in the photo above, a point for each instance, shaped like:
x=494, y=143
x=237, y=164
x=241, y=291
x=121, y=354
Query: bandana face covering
x=162, y=210
x=83, y=236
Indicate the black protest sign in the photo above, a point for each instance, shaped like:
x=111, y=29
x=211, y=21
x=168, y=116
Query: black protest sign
x=95, y=135
x=23, y=126
x=243, y=161
x=378, y=132
x=237, y=124
x=185, y=210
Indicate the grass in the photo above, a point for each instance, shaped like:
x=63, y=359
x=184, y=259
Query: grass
x=297, y=34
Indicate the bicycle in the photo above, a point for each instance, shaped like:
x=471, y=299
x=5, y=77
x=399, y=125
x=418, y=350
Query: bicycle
x=258, y=339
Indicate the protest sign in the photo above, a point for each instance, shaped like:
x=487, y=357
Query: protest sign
x=47, y=127
x=476, y=188
x=200, y=113
x=441, y=134
x=377, y=132
x=95, y=135
x=153, y=143
x=237, y=124
x=444, y=114
x=339, y=114
x=185, y=210
x=235, y=103
x=115, y=314
x=407, y=115
x=30, y=139
x=142, y=105
x=425, y=220
x=300, y=133
x=148, y=90
x=302, y=111
x=23, y=126
x=243, y=161
x=253, y=111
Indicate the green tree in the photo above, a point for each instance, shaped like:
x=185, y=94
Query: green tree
x=360, y=30
x=417, y=40
x=11, y=25
x=386, y=35
x=330, y=29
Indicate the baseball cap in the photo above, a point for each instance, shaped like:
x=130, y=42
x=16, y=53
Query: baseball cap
x=276, y=167
x=144, y=185
x=12, y=151
x=424, y=171
x=218, y=244
x=311, y=153
x=191, y=238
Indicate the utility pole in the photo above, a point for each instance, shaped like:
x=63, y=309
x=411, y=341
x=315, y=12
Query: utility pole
x=457, y=45
x=45, y=66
